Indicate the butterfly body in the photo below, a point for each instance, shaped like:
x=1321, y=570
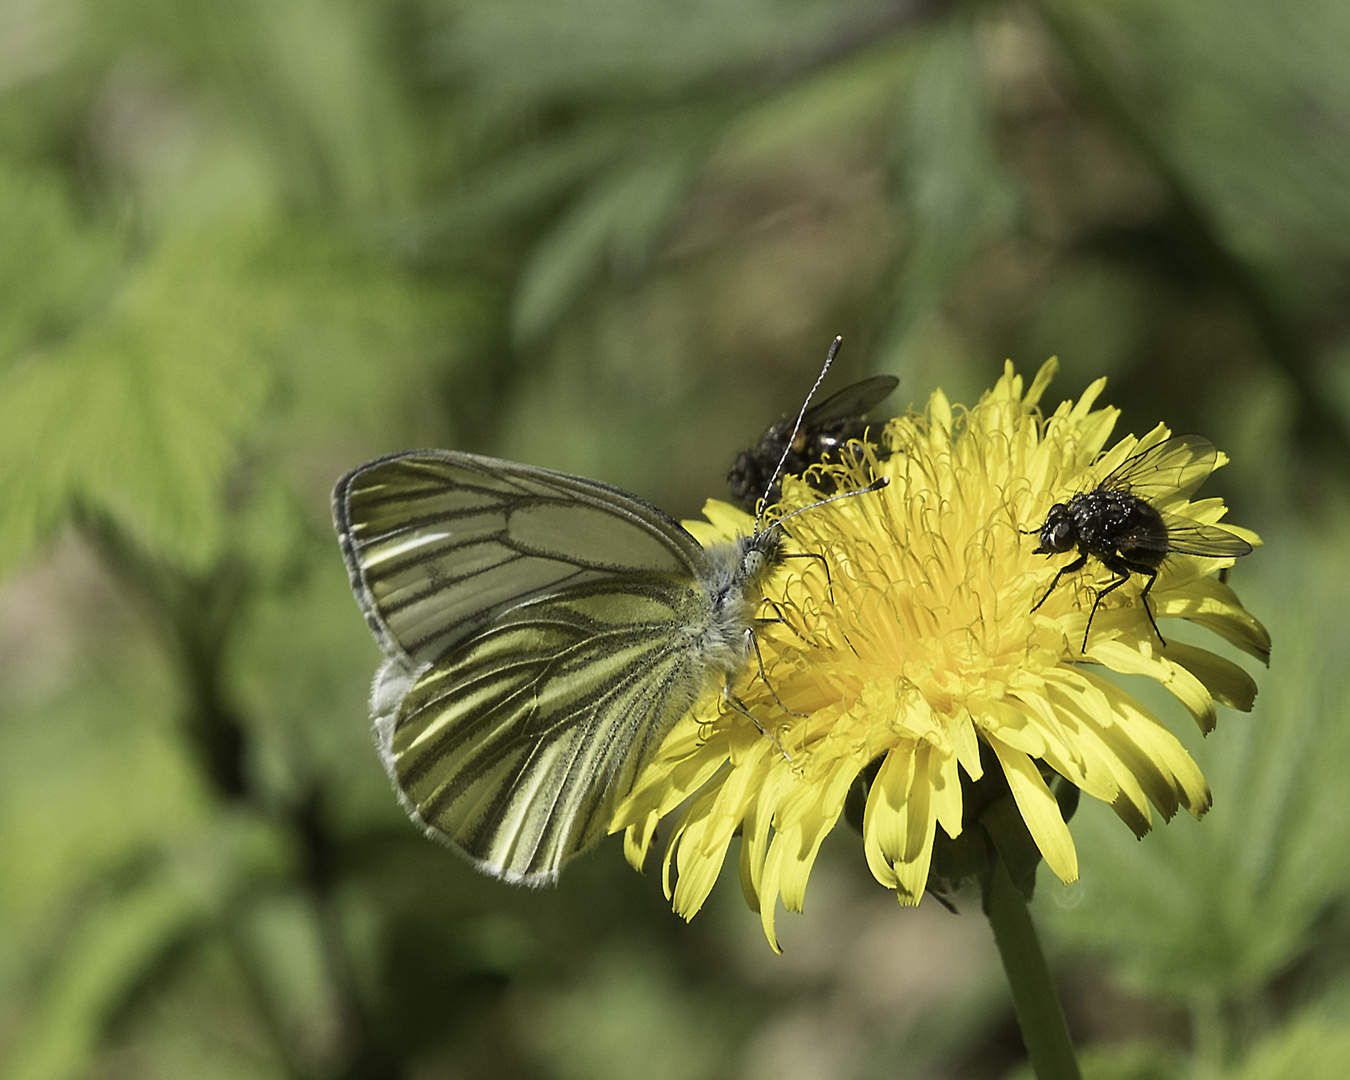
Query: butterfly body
x=542, y=634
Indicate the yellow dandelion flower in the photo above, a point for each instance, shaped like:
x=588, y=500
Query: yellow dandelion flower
x=904, y=641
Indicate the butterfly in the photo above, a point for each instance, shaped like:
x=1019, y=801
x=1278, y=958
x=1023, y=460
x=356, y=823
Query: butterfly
x=542, y=633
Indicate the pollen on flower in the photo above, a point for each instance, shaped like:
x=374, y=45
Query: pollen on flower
x=908, y=642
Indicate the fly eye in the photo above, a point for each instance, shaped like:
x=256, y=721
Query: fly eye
x=1058, y=532
x=1061, y=535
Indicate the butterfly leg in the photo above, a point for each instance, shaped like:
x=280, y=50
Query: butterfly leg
x=737, y=705
x=759, y=659
x=829, y=585
x=824, y=562
x=779, y=620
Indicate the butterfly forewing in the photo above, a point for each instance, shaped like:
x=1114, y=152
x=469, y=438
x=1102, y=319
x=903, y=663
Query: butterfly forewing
x=516, y=746
x=437, y=543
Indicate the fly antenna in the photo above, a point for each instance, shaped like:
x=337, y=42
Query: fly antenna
x=787, y=446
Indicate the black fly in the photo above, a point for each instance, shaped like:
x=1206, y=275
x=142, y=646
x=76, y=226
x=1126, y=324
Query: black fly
x=825, y=429
x=1118, y=524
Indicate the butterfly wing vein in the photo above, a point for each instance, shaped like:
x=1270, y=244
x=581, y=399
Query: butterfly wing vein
x=437, y=543
x=517, y=747
x=543, y=631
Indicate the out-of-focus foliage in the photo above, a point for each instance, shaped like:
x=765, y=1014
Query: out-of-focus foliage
x=244, y=247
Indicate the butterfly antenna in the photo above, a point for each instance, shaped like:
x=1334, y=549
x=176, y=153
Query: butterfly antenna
x=876, y=485
x=801, y=416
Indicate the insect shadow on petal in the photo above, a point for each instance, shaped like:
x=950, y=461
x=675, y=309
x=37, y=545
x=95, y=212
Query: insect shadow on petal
x=1119, y=524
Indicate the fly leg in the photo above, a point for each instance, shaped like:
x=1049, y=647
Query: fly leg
x=1072, y=568
x=1124, y=577
x=1152, y=577
x=1118, y=564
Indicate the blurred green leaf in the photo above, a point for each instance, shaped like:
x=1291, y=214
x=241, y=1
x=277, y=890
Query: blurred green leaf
x=103, y=962
x=1310, y=1048
x=139, y=415
x=306, y=90
x=628, y=1017
x=1258, y=123
x=614, y=226
x=587, y=49
x=126, y=933
x=525, y=183
x=150, y=413
x=955, y=192
x=55, y=269
x=1124, y=1062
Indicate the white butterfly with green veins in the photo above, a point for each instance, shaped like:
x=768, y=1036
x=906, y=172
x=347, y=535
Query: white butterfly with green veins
x=542, y=634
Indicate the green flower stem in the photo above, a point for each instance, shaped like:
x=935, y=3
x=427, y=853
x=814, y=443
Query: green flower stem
x=1039, y=1014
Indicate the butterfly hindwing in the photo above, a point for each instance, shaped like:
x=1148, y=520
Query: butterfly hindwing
x=515, y=746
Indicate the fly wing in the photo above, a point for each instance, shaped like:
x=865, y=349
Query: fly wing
x=1187, y=537
x=825, y=426
x=1168, y=472
x=438, y=544
x=852, y=401
x=515, y=747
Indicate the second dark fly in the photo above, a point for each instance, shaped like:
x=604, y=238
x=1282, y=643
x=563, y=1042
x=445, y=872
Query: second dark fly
x=825, y=430
x=1118, y=524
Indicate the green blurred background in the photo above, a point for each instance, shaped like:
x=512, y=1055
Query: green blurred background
x=245, y=246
